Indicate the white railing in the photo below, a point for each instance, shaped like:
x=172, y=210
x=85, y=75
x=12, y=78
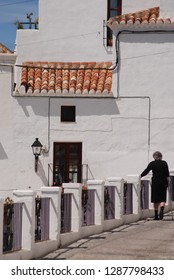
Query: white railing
x=31, y=249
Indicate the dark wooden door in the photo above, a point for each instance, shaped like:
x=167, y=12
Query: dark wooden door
x=67, y=166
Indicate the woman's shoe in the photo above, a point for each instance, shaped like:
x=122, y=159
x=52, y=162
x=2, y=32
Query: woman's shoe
x=156, y=215
x=161, y=215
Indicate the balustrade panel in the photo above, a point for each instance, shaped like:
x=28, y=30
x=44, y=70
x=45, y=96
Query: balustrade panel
x=12, y=227
x=144, y=194
x=109, y=202
x=127, y=199
x=88, y=207
x=42, y=214
x=66, y=204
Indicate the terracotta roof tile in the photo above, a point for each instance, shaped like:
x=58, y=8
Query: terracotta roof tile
x=150, y=16
x=66, y=78
x=4, y=49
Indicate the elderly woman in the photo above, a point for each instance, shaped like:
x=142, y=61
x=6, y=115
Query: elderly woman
x=160, y=180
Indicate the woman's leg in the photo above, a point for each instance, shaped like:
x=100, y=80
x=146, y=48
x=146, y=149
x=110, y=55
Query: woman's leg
x=161, y=213
x=156, y=205
x=162, y=204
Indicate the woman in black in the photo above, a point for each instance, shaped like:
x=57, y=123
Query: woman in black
x=160, y=179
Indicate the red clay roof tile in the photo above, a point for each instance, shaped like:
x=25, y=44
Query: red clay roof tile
x=66, y=78
x=4, y=49
x=150, y=16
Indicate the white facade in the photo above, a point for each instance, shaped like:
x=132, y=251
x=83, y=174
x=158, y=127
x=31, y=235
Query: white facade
x=68, y=31
x=6, y=122
x=118, y=135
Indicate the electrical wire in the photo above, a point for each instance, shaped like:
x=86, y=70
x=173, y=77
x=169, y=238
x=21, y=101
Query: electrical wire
x=112, y=68
x=61, y=38
x=117, y=41
x=117, y=46
x=66, y=68
x=118, y=60
x=116, y=66
x=16, y=3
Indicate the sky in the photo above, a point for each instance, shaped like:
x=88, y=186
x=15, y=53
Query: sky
x=12, y=11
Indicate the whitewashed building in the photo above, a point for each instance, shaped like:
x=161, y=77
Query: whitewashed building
x=99, y=109
x=7, y=151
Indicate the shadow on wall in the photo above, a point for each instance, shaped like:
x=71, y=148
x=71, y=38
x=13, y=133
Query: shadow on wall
x=39, y=105
x=41, y=174
x=148, y=37
x=3, y=154
x=85, y=107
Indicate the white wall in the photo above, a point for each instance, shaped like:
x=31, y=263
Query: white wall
x=114, y=133
x=131, y=6
x=70, y=30
x=102, y=126
x=6, y=119
x=167, y=9
x=146, y=70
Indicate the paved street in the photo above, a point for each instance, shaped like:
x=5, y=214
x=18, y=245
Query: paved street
x=145, y=239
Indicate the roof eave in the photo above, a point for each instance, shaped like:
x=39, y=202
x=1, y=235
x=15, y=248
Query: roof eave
x=115, y=27
x=61, y=95
x=7, y=58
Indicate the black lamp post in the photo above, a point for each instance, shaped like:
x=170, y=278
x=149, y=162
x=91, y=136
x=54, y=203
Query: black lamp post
x=37, y=148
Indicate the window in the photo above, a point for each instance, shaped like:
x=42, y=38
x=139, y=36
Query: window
x=114, y=9
x=67, y=165
x=68, y=114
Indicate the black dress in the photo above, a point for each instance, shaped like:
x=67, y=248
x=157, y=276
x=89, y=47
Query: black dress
x=160, y=172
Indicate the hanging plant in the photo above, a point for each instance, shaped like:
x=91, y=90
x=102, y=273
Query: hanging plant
x=19, y=25
x=36, y=22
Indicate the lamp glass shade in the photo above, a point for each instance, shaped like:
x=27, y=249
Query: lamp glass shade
x=37, y=147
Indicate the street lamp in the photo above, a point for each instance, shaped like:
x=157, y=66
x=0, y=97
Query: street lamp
x=37, y=148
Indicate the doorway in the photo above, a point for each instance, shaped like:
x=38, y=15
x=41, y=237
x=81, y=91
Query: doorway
x=67, y=163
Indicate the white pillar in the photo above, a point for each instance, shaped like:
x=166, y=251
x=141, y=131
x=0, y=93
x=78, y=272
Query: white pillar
x=1, y=227
x=135, y=181
x=27, y=197
x=54, y=193
x=171, y=201
x=148, y=177
x=75, y=189
x=118, y=183
x=98, y=186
